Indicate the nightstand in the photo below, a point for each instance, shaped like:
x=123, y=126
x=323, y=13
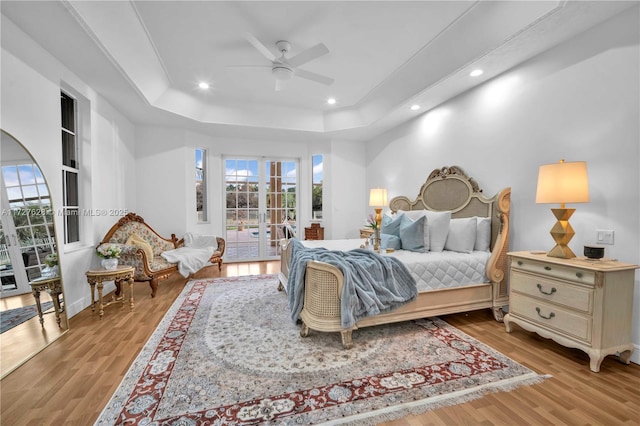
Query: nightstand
x=366, y=232
x=314, y=232
x=579, y=303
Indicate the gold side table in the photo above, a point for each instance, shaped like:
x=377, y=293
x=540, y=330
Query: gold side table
x=54, y=286
x=98, y=276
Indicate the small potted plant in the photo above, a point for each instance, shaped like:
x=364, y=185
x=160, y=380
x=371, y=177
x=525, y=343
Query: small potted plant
x=51, y=260
x=109, y=253
x=373, y=224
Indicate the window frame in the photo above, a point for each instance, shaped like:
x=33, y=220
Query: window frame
x=71, y=198
x=204, y=173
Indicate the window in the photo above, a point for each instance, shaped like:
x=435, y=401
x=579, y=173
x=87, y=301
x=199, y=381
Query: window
x=70, y=170
x=201, y=185
x=316, y=188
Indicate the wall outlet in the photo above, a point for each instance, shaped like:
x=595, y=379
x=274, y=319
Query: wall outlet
x=604, y=236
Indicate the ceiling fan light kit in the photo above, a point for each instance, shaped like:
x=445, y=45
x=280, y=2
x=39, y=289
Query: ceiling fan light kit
x=282, y=72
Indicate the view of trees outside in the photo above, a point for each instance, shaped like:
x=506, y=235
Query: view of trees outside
x=201, y=186
x=316, y=195
x=242, y=194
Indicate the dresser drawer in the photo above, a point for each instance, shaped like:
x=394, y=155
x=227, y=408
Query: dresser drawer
x=561, y=293
x=548, y=269
x=551, y=316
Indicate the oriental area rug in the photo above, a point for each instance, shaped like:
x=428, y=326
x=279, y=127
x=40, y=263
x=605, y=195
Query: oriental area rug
x=227, y=352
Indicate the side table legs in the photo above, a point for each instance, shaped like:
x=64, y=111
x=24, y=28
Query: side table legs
x=36, y=295
x=131, y=304
x=120, y=277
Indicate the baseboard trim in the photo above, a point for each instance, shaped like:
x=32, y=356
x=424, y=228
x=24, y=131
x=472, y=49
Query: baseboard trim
x=635, y=356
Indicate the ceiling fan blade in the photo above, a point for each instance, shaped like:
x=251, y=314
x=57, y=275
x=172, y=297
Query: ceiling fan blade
x=248, y=66
x=313, y=76
x=308, y=55
x=260, y=46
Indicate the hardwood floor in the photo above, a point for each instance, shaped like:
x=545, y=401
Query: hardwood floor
x=73, y=379
x=22, y=341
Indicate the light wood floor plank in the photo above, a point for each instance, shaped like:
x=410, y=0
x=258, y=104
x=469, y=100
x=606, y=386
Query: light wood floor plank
x=71, y=381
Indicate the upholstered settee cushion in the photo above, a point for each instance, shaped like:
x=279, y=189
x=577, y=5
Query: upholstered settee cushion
x=412, y=234
x=462, y=235
x=138, y=241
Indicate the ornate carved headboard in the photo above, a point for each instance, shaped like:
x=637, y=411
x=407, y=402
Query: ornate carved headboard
x=450, y=188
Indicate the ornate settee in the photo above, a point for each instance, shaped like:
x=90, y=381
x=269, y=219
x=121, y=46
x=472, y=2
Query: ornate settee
x=149, y=268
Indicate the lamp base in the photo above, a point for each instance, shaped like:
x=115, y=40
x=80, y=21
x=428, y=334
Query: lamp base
x=376, y=232
x=562, y=232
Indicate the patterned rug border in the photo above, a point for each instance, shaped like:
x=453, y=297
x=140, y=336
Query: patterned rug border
x=369, y=418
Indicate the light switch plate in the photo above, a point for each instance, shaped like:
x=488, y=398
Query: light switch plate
x=604, y=236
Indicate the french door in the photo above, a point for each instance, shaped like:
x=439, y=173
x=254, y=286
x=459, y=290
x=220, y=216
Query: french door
x=26, y=227
x=261, y=206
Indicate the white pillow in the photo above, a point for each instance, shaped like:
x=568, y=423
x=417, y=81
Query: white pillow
x=462, y=235
x=438, y=229
x=415, y=215
x=483, y=234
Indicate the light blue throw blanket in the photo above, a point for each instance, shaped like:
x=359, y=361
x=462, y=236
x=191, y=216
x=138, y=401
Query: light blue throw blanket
x=373, y=283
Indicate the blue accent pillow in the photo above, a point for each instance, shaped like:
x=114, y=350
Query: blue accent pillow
x=412, y=234
x=391, y=225
x=390, y=241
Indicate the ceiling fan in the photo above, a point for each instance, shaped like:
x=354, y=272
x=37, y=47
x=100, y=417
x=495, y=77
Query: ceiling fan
x=284, y=68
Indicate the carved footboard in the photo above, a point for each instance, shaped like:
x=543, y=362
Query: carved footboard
x=321, y=310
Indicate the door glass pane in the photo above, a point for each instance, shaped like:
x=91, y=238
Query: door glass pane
x=281, y=203
x=31, y=217
x=242, y=217
x=316, y=188
x=7, y=275
x=260, y=196
x=201, y=185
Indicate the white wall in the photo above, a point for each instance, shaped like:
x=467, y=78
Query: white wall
x=165, y=161
x=347, y=189
x=579, y=101
x=30, y=96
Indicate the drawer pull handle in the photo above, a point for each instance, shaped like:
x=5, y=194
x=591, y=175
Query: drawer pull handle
x=553, y=290
x=579, y=274
x=520, y=262
x=551, y=315
x=547, y=268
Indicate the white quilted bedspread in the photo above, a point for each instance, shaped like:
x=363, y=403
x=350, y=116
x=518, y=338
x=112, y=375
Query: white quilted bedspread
x=432, y=270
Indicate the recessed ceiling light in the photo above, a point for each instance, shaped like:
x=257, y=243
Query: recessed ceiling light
x=476, y=73
x=415, y=107
x=203, y=85
x=331, y=101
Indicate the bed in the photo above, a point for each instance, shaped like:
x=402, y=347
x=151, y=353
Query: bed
x=448, y=189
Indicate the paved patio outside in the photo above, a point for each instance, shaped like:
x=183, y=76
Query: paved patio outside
x=245, y=245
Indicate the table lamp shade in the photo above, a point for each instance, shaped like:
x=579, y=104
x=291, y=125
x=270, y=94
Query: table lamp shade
x=378, y=197
x=563, y=183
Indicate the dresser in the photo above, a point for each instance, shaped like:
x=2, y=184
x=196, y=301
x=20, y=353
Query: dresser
x=579, y=303
x=366, y=232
